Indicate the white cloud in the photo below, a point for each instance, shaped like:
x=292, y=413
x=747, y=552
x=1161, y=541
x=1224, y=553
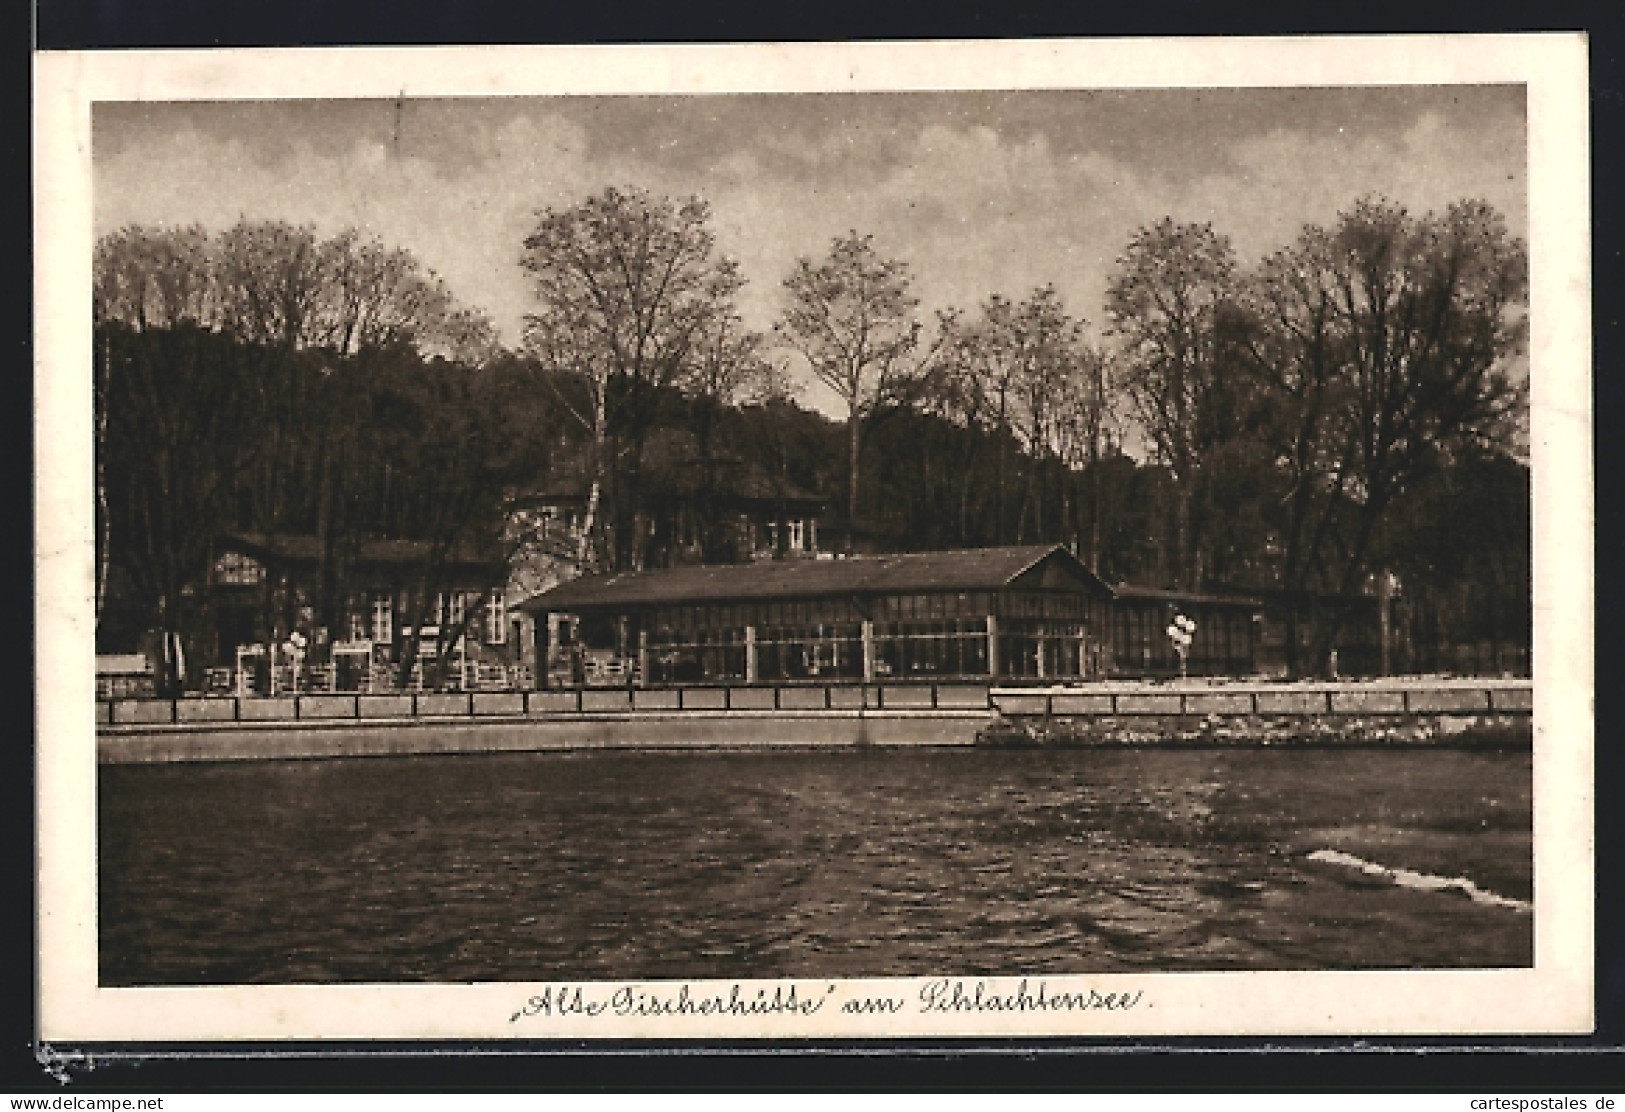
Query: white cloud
x=972, y=209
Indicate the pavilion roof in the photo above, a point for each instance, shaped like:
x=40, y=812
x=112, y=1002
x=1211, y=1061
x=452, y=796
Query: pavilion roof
x=964, y=570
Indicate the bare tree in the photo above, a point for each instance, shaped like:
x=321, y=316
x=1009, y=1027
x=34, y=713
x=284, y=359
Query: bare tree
x=851, y=316
x=626, y=283
x=156, y=278
x=1051, y=353
x=1082, y=430
x=730, y=366
x=982, y=360
x=375, y=296
x=273, y=283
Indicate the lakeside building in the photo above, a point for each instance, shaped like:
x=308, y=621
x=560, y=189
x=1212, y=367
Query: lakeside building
x=1226, y=641
x=1023, y=612
x=740, y=515
x=1032, y=613
x=262, y=590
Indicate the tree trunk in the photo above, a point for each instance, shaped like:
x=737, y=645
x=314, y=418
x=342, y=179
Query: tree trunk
x=411, y=645
x=1182, y=531
x=854, y=430
x=1293, y=632
x=705, y=509
x=327, y=540
x=1094, y=515
x=104, y=524
x=586, y=547
x=999, y=535
x=1375, y=507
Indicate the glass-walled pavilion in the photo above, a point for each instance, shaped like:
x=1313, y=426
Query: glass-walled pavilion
x=1031, y=611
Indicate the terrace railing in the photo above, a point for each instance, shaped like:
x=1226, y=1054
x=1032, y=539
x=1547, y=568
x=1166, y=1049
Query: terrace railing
x=1407, y=697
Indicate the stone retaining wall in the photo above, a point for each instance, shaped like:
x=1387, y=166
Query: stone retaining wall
x=308, y=739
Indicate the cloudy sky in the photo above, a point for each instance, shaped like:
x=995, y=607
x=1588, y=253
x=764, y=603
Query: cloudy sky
x=978, y=191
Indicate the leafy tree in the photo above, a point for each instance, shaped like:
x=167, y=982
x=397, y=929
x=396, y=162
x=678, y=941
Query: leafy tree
x=141, y=278
x=1460, y=543
x=1391, y=347
x=172, y=406
x=1166, y=299
x=458, y=458
x=235, y=388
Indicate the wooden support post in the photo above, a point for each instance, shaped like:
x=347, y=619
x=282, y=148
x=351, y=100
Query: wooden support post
x=1385, y=620
x=750, y=654
x=868, y=651
x=992, y=646
x=551, y=648
x=643, y=658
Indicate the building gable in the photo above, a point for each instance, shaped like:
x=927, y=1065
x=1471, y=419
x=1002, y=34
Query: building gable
x=1059, y=570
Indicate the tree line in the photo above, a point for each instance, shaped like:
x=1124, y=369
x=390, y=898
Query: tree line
x=267, y=380
x=1348, y=408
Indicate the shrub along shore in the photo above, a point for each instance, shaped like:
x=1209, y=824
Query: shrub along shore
x=1488, y=732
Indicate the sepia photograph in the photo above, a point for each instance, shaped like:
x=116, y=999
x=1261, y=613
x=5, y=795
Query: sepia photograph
x=671, y=541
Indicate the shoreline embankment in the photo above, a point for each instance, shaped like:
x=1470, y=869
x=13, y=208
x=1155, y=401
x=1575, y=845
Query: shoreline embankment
x=1479, y=713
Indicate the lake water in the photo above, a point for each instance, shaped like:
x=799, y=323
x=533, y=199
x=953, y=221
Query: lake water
x=622, y=865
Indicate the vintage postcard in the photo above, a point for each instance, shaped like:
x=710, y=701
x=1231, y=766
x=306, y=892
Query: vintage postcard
x=803, y=541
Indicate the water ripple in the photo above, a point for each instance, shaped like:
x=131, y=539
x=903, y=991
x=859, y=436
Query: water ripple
x=620, y=865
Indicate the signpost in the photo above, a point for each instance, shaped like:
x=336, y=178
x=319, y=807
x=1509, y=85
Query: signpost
x=1182, y=631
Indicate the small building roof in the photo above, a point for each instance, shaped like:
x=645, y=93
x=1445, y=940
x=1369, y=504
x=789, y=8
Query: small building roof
x=1193, y=598
x=736, y=486
x=297, y=548
x=978, y=569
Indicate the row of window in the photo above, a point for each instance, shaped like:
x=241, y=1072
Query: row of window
x=377, y=621
x=1217, y=634
x=931, y=607
x=1044, y=604
x=811, y=612
x=938, y=606
x=895, y=657
x=853, y=632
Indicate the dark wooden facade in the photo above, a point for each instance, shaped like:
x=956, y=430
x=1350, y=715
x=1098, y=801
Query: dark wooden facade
x=263, y=588
x=1225, y=642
